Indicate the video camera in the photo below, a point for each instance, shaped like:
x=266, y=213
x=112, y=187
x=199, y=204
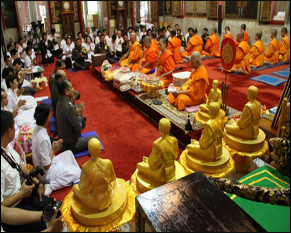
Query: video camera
x=33, y=173
x=34, y=25
x=49, y=210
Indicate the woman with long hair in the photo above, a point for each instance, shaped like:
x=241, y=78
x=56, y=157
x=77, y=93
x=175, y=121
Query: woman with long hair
x=61, y=170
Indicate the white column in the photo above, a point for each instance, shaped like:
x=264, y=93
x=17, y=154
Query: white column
x=32, y=11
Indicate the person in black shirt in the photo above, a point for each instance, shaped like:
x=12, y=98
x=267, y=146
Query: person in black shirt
x=204, y=36
x=46, y=47
x=102, y=47
x=79, y=54
x=125, y=44
x=182, y=38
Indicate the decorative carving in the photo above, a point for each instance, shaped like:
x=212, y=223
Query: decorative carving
x=227, y=53
x=76, y=11
x=265, y=11
x=195, y=8
x=168, y=7
x=56, y=9
x=176, y=8
x=212, y=9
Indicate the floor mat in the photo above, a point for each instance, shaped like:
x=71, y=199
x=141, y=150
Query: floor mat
x=269, y=79
x=282, y=73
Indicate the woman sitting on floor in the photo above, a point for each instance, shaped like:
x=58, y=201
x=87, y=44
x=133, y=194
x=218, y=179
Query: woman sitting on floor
x=61, y=170
x=89, y=46
x=68, y=48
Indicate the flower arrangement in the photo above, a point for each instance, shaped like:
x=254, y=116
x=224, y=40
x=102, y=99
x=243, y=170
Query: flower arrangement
x=84, y=50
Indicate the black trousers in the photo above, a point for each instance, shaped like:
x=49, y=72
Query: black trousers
x=80, y=145
x=46, y=60
x=33, y=204
x=82, y=66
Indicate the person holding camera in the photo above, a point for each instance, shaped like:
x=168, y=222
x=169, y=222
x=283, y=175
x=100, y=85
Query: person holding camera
x=60, y=171
x=79, y=55
x=15, y=216
x=28, y=194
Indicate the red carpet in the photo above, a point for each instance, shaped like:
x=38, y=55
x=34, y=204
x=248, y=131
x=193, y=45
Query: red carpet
x=126, y=134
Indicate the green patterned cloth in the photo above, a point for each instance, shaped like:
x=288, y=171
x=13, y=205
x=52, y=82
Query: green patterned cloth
x=273, y=218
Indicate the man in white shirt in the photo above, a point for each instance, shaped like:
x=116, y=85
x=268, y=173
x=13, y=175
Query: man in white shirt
x=13, y=192
x=89, y=34
x=150, y=25
x=94, y=32
x=143, y=32
x=63, y=41
x=21, y=49
x=118, y=47
x=106, y=37
x=29, y=61
x=53, y=37
x=168, y=33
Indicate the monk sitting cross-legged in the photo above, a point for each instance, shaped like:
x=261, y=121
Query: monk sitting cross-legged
x=211, y=48
x=272, y=54
x=174, y=46
x=166, y=63
x=246, y=35
x=149, y=57
x=242, y=59
x=193, y=92
x=284, y=53
x=194, y=44
x=257, y=52
x=133, y=55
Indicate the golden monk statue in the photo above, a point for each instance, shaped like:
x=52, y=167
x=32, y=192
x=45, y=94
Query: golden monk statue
x=160, y=165
x=247, y=127
x=95, y=188
x=213, y=96
x=209, y=146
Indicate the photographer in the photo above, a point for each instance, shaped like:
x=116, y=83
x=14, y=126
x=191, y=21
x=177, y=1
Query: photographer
x=14, y=216
x=79, y=55
x=13, y=192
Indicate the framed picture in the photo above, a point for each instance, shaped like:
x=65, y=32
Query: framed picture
x=9, y=13
x=195, y=8
x=168, y=7
x=265, y=11
x=241, y=9
x=112, y=9
x=154, y=12
x=212, y=9
x=176, y=8
x=76, y=11
x=56, y=9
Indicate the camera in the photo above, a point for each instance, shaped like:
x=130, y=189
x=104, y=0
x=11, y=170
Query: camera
x=49, y=210
x=33, y=173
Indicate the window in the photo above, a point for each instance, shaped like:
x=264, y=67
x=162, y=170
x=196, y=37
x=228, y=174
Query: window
x=144, y=11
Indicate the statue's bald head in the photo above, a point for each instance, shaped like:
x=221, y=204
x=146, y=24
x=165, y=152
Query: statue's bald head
x=196, y=57
x=164, y=126
x=274, y=32
x=94, y=147
x=252, y=93
x=213, y=109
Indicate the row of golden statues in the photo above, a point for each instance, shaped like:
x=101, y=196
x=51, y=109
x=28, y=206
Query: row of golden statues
x=100, y=198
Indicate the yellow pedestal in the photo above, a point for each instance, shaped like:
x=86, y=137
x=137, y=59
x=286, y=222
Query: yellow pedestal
x=144, y=184
x=94, y=217
x=203, y=117
x=243, y=158
x=215, y=169
x=245, y=144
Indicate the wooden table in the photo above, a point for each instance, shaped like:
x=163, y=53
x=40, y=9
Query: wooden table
x=191, y=203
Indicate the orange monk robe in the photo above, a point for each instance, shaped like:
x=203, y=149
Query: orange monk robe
x=156, y=43
x=228, y=35
x=284, y=53
x=174, y=46
x=257, y=54
x=194, y=44
x=196, y=85
x=272, y=54
x=134, y=54
x=246, y=38
x=242, y=59
x=211, y=48
x=166, y=64
x=150, y=55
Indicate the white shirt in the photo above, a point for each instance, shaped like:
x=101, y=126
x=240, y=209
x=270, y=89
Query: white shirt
x=119, y=42
x=20, y=49
x=48, y=52
x=69, y=48
x=106, y=38
x=8, y=54
x=92, y=37
x=10, y=179
x=62, y=44
x=168, y=34
x=89, y=47
x=3, y=84
x=149, y=26
x=111, y=45
x=97, y=40
x=27, y=61
x=35, y=42
x=142, y=33
x=187, y=37
x=50, y=37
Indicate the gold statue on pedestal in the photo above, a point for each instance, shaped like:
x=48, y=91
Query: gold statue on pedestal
x=244, y=139
x=214, y=96
x=207, y=155
x=98, y=198
x=160, y=167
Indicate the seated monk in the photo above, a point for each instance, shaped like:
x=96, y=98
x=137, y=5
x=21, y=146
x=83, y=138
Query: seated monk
x=213, y=96
x=193, y=92
x=257, y=52
x=95, y=186
x=247, y=126
x=174, y=46
x=272, y=54
x=242, y=62
x=154, y=40
x=227, y=33
x=149, y=57
x=194, y=44
x=160, y=165
x=209, y=146
x=284, y=53
x=133, y=55
x=246, y=35
x=166, y=63
x=211, y=48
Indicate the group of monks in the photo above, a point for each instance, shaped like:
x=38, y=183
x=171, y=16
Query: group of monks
x=161, y=56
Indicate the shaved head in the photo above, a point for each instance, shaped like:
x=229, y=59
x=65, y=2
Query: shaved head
x=60, y=74
x=163, y=40
x=274, y=32
x=154, y=34
x=147, y=41
x=284, y=29
x=259, y=35
x=240, y=35
x=133, y=37
x=196, y=56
